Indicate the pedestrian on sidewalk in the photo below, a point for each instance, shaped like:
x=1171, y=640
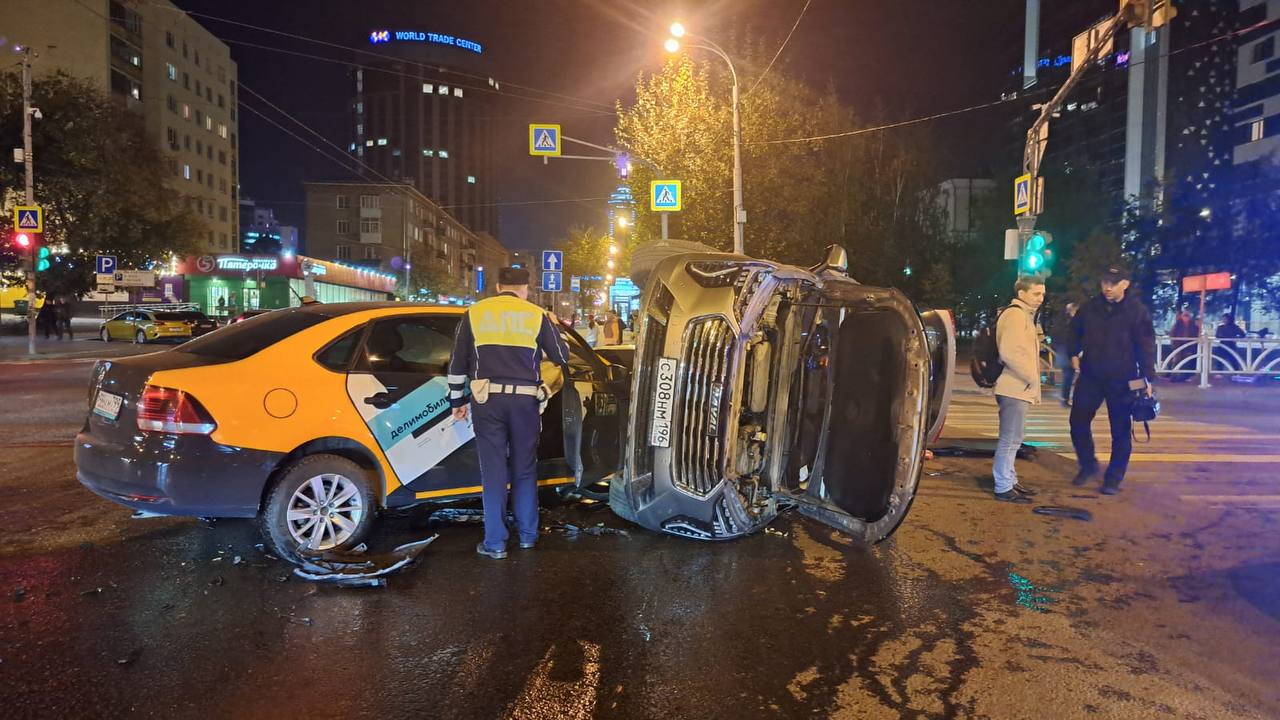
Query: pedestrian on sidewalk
x=62, y=316
x=1061, y=333
x=1184, y=332
x=45, y=319
x=1113, y=347
x=1018, y=387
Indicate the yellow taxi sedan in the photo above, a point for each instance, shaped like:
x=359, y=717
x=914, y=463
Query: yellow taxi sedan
x=312, y=419
x=142, y=326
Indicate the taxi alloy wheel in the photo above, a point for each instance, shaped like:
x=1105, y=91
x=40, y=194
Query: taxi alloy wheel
x=325, y=511
x=320, y=503
x=141, y=337
x=105, y=335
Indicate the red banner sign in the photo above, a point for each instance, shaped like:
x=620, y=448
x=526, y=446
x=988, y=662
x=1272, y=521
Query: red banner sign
x=1212, y=281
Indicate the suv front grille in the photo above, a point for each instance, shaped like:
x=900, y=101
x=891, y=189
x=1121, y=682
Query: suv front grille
x=697, y=437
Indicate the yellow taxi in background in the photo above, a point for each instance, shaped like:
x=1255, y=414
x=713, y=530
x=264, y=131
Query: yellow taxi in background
x=143, y=326
x=313, y=418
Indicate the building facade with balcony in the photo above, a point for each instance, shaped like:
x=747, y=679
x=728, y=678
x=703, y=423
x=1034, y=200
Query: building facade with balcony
x=159, y=62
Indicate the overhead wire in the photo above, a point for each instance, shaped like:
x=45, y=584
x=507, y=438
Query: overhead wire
x=785, y=40
x=381, y=56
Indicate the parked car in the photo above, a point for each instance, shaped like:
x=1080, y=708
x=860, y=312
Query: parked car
x=199, y=322
x=143, y=326
x=759, y=386
x=312, y=419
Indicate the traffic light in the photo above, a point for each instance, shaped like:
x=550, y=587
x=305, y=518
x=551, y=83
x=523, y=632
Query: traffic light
x=22, y=241
x=1036, y=255
x=42, y=258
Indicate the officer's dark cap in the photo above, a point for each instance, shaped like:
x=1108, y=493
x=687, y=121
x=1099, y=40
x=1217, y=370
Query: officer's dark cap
x=1115, y=274
x=513, y=276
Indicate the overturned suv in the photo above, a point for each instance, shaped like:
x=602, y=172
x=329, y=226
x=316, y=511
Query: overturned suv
x=759, y=386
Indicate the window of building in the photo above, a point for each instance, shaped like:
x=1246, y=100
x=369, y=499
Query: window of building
x=1264, y=49
x=233, y=141
x=395, y=152
x=186, y=142
x=199, y=148
x=360, y=107
x=444, y=153
x=360, y=152
x=427, y=152
x=370, y=226
x=172, y=103
x=359, y=129
x=186, y=171
x=197, y=86
x=199, y=175
x=208, y=123
x=368, y=143
x=208, y=93
x=344, y=252
x=199, y=117
x=186, y=111
x=370, y=201
x=168, y=40
x=222, y=100
x=443, y=90
x=371, y=252
x=428, y=87
x=222, y=131
x=222, y=184
x=343, y=202
x=457, y=92
x=382, y=141
x=471, y=179
x=359, y=81
x=186, y=81
x=197, y=58
x=172, y=136
x=344, y=227
x=222, y=212
x=184, y=49
x=1255, y=131
x=171, y=71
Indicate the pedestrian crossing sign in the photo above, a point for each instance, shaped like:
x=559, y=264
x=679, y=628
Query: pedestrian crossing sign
x=28, y=218
x=664, y=196
x=1022, y=194
x=544, y=139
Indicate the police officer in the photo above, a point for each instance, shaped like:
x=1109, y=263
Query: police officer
x=499, y=346
x=1114, y=334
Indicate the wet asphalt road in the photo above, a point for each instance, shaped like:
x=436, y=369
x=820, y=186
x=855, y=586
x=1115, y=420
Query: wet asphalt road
x=972, y=609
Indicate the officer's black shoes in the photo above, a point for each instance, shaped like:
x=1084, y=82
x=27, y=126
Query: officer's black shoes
x=495, y=554
x=1013, y=496
x=1025, y=490
x=1083, y=477
x=1110, y=488
x=528, y=545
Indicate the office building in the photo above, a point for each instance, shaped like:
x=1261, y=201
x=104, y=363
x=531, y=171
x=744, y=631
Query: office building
x=1256, y=114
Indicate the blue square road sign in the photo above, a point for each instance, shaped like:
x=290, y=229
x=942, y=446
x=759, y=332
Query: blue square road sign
x=552, y=281
x=105, y=264
x=553, y=260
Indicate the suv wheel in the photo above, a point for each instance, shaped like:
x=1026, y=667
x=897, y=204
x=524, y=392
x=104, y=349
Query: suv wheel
x=320, y=503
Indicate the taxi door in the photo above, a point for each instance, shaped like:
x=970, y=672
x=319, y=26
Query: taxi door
x=398, y=383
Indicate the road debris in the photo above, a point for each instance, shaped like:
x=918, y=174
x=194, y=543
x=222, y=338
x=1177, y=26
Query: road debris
x=19, y=594
x=1063, y=511
x=598, y=529
x=771, y=531
x=237, y=560
x=133, y=655
x=144, y=515
x=349, y=570
x=456, y=516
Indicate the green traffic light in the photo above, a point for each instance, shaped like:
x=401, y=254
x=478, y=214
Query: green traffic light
x=42, y=253
x=1036, y=242
x=42, y=265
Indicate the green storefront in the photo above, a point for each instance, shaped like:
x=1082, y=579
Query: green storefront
x=226, y=285
x=228, y=295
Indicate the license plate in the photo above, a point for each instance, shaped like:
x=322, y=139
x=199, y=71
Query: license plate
x=664, y=394
x=107, y=405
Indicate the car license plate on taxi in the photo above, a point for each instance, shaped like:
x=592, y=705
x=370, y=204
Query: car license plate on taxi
x=107, y=405
x=664, y=393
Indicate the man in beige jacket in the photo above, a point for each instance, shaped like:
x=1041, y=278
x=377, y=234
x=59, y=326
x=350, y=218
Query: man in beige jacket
x=1018, y=386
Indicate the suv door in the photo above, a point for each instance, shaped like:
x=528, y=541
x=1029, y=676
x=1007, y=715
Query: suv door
x=398, y=383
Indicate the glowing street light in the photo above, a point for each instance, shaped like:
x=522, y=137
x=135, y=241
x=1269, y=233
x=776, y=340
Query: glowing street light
x=622, y=221
x=613, y=249
x=739, y=211
x=609, y=264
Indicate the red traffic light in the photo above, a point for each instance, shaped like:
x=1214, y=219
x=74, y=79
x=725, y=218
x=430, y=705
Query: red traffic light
x=22, y=240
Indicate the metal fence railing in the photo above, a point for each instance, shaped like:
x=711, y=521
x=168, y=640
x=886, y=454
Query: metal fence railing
x=108, y=311
x=1185, y=358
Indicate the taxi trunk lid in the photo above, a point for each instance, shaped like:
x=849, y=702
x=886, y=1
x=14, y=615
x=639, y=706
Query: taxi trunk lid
x=125, y=378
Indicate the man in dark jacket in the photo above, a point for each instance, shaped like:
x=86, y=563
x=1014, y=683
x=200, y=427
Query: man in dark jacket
x=1112, y=343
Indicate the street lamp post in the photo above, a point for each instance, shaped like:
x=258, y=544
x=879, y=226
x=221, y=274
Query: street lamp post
x=739, y=211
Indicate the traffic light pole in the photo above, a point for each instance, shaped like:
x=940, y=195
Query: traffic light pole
x=31, y=198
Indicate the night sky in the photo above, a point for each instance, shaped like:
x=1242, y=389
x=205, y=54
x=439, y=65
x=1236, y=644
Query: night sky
x=900, y=58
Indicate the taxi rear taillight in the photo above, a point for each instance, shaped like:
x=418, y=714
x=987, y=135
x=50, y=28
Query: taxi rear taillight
x=167, y=410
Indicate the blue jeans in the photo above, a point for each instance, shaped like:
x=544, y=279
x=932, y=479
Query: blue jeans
x=1013, y=424
x=507, y=428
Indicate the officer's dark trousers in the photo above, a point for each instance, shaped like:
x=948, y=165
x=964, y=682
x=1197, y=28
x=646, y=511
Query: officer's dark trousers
x=1089, y=395
x=508, y=421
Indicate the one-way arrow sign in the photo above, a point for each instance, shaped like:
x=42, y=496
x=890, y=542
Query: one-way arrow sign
x=552, y=260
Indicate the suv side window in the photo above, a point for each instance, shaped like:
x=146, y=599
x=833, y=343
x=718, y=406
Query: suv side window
x=420, y=345
x=580, y=367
